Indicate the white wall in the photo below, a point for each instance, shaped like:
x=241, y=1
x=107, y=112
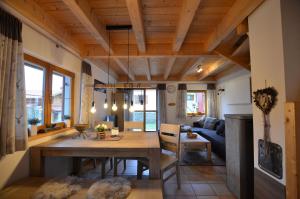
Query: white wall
x=236, y=85
x=171, y=98
x=275, y=51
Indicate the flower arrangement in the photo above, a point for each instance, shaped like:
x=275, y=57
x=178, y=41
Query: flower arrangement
x=101, y=127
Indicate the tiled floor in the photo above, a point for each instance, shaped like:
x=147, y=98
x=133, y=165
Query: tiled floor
x=198, y=182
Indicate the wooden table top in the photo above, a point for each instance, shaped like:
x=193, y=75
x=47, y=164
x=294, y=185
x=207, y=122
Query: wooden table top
x=199, y=139
x=130, y=140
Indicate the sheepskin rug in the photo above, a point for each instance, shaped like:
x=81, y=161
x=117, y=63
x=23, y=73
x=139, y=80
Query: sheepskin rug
x=59, y=188
x=110, y=188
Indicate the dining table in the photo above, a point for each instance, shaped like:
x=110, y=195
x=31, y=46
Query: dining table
x=130, y=144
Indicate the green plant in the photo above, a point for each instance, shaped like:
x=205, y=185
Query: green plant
x=34, y=121
x=67, y=117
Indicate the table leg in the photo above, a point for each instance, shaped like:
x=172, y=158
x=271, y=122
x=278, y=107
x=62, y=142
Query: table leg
x=37, y=163
x=154, y=164
x=208, y=146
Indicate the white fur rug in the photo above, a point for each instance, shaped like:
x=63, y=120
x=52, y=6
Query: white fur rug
x=59, y=188
x=111, y=188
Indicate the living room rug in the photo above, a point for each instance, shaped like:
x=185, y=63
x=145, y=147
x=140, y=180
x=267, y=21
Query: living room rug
x=200, y=158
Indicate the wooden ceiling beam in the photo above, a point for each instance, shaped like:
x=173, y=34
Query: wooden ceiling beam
x=187, y=14
x=147, y=69
x=37, y=16
x=84, y=13
x=153, y=50
x=169, y=67
x=136, y=18
x=209, y=69
x=237, y=13
x=240, y=61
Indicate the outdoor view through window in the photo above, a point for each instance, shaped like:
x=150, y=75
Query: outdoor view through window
x=195, y=102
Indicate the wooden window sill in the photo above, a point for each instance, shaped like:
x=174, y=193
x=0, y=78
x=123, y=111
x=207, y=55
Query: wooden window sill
x=51, y=133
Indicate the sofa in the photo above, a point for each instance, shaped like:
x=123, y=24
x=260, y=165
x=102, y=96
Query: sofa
x=213, y=130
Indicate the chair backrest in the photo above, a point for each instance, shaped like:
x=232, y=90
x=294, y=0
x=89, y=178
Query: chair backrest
x=109, y=125
x=169, y=135
x=133, y=126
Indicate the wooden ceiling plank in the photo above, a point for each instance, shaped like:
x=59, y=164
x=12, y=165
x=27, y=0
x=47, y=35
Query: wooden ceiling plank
x=124, y=68
x=36, y=15
x=208, y=70
x=136, y=18
x=188, y=11
x=191, y=64
x=169, y=67
x=83, y=11
x=147, y=69
x=238, y=12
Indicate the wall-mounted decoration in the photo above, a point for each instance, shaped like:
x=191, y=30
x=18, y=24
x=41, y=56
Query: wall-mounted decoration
x=265, y=99
x=270, y=154
x=171, y=88
x=271, y=162
x=171, y=104
x=102, y=90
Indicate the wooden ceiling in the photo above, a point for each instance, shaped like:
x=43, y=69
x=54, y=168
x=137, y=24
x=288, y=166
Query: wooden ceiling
x=169, y=39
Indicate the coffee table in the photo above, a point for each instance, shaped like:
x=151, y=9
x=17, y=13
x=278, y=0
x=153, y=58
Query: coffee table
x=194, y=144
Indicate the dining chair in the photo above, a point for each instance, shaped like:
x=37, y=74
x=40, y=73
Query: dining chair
x=129, y=126
x=169, y=136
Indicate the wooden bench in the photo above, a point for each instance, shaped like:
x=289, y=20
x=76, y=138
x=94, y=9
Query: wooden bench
x=25, y=188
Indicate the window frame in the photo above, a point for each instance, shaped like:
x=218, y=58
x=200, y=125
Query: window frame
x=197, y=114
x=49, y=70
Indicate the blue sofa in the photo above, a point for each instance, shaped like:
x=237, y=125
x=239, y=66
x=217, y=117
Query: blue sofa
x=215, y=136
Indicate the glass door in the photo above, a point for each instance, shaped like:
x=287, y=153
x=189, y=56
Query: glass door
x=144, y=102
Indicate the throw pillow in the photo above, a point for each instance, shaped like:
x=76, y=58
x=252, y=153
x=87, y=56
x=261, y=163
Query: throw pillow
x=201, y=121
x=210, y=123
x=220, y=130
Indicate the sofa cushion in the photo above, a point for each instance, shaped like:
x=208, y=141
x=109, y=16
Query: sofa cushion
x=220, y=129
x=210, y=123
x=201, y=121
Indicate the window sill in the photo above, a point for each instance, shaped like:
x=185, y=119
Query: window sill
x=195, y=115
x=43, y=135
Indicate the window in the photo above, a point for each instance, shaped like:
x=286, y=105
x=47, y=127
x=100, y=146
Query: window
x=49, y=91
x=196, y=103
x=34, y=85
x=147, y=111
x=61, y=97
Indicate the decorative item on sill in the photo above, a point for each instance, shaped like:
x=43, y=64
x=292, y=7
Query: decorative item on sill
x=67, y=120
x=100, y=129
x=191, y=135
x=33, y=126
x=81, y=128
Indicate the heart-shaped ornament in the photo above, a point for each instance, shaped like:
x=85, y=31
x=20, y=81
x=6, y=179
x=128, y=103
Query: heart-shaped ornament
x=265, y=99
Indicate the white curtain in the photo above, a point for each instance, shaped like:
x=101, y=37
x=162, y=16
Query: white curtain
x=212, y=103
x=86, y=94
x=13, y=118
x=181, y=103
x=161, y=102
